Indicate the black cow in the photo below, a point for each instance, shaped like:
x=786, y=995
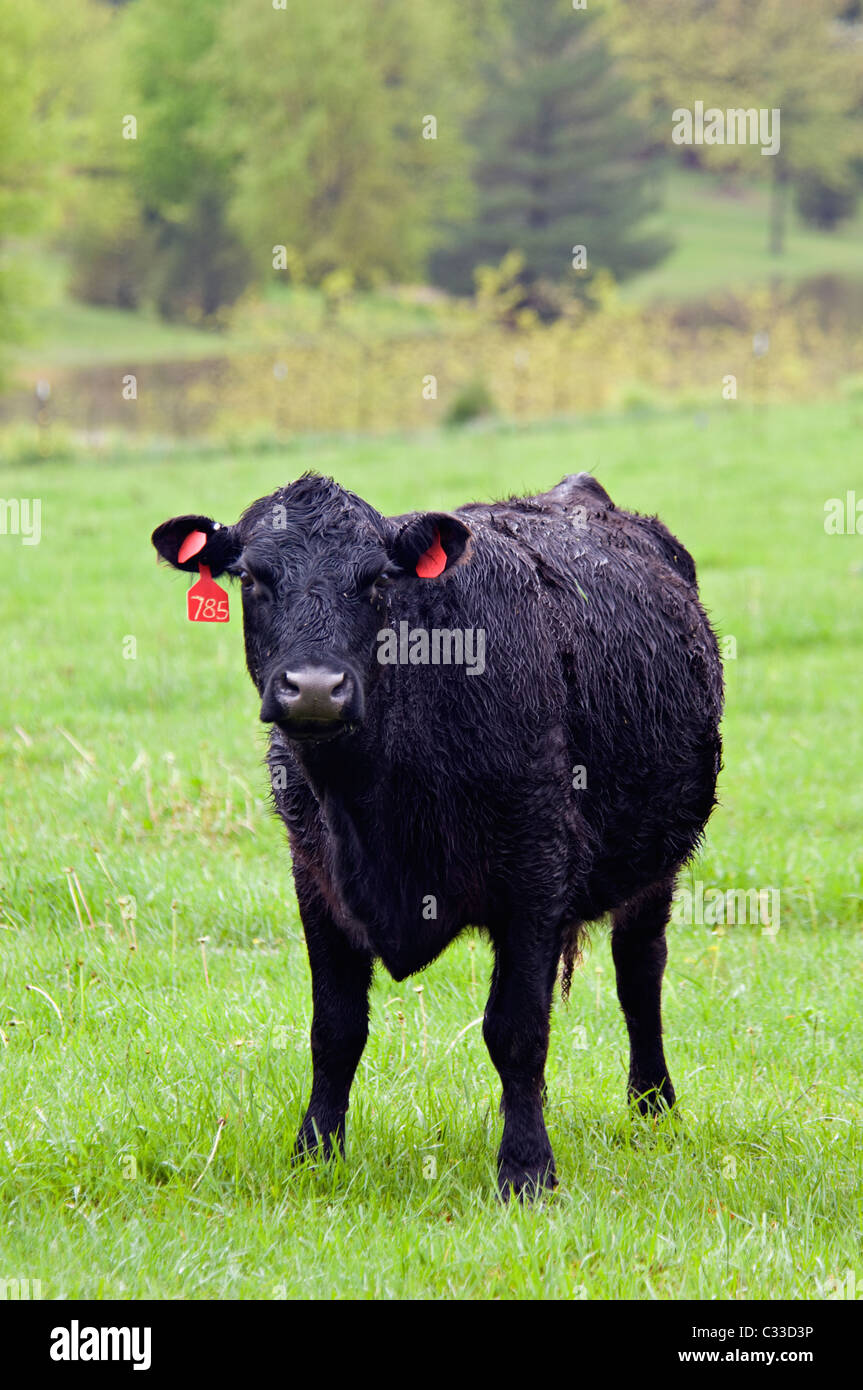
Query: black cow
x=568, y=774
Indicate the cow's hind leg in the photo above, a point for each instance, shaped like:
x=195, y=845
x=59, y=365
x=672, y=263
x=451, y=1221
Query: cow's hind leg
x=639, y=951
x=515, y=1029
x=341, y=976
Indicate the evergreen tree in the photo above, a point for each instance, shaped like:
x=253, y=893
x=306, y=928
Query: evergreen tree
x=560, y=160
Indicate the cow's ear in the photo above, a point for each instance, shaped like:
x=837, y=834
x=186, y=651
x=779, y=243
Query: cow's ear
x=189, y=541
x=431, y=543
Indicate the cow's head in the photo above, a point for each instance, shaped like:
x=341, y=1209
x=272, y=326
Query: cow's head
x=315, y=563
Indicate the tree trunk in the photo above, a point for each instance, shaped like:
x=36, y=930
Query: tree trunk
x=778, y=207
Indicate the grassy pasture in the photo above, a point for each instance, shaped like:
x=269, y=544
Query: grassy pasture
x=720, y=231
x=144, y=777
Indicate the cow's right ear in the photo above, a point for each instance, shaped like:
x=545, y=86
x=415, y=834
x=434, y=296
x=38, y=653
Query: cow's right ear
x=430, y=543
x=189, y=541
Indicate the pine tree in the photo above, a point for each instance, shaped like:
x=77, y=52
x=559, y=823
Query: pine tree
x=560, y=160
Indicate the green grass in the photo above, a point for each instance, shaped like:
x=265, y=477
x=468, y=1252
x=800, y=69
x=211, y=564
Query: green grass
x=66, y=333
x=108, y=1113
x=720, y=231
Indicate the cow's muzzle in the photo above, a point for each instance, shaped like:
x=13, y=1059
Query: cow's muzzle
x=313, y=702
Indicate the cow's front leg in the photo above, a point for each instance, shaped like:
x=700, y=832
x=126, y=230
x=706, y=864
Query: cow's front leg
x=515, y=1029
x=341, y=976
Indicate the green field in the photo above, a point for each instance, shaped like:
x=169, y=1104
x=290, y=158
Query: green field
x=127, y=1042
x=720, y=234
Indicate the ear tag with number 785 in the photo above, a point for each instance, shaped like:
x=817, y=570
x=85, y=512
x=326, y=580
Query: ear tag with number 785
x=207, y=601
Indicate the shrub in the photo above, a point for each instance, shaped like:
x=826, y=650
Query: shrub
x=471, y=402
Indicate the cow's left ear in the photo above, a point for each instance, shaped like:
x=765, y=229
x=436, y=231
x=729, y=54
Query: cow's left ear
x=189, y=541
x=431, y=543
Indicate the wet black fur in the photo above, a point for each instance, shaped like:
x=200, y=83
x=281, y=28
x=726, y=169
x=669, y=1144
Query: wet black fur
x=460, y=788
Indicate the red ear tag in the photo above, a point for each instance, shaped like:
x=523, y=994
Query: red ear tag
x=206, y=601
x=195, y=541
x=433, y=561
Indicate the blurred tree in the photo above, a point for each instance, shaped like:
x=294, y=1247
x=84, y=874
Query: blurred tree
x=27, y=157
x=822, y=202
x=100, y=211
x=149, y=217
x=559, y=158
x=194, y=261
x=345, y=125
x=796, y=56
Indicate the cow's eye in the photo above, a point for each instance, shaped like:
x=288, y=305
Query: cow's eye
x=372, y=584
x=246, y=579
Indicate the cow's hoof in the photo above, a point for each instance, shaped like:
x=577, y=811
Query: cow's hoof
x=652, y=1098
x=312, y=1144
x=526, y=1183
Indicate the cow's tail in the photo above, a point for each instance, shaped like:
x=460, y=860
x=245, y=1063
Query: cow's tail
x=570, y=957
